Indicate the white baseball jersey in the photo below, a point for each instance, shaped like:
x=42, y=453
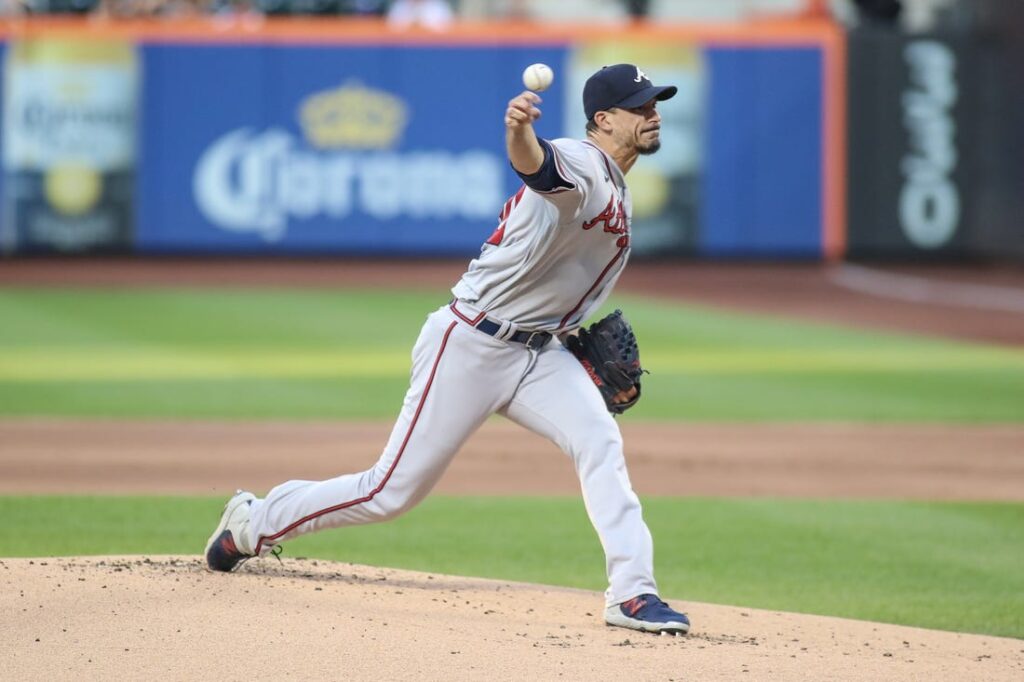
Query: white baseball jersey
x=556, y=255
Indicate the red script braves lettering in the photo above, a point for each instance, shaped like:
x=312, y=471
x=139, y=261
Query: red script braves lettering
x=613, y=216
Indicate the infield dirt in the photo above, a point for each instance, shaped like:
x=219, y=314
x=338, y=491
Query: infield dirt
x=166, y=618
x=922, y=461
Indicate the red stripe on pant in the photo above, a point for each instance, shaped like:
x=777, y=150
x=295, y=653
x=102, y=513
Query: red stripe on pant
x=387, y=476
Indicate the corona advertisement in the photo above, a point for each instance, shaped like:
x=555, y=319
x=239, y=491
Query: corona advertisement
x=69, y=145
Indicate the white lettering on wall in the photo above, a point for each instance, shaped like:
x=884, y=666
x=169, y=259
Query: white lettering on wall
x=930, y=201
x=255, y=182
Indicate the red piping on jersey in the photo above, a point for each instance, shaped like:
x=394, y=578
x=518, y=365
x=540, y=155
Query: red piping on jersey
x=472, y=323
x=391, y=470
x=561, y=325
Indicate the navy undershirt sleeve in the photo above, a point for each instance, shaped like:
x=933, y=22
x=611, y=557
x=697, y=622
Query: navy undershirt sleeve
x=546, y=178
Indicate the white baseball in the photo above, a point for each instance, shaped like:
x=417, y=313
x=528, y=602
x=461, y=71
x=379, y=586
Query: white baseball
x=538, y=77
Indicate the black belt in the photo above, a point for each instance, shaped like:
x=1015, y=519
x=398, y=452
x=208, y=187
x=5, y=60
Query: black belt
x=534, y=340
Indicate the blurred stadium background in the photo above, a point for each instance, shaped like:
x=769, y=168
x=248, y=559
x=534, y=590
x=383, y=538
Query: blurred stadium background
x=806, y=130
x=318, y=172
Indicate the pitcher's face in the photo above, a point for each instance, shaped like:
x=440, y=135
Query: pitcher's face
x=638, y=128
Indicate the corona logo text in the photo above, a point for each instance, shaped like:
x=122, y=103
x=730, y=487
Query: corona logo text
x=258, y=182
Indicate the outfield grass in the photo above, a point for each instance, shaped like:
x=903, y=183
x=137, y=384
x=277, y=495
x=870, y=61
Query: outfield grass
x=953, y=566
x=345, y=355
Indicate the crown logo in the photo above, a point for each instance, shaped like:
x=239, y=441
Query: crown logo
x=353, y=115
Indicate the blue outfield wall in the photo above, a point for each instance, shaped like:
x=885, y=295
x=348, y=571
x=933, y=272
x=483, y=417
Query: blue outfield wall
x=763, y=191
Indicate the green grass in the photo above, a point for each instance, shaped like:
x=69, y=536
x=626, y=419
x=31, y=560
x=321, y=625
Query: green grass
x=954, y=566
x=205, y=353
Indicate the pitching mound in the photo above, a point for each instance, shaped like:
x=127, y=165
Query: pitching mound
x=167, y=618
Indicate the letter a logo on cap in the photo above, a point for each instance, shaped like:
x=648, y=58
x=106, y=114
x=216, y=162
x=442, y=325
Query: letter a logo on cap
x=640, y=76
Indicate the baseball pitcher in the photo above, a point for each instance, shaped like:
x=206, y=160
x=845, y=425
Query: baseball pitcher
x=510, y=342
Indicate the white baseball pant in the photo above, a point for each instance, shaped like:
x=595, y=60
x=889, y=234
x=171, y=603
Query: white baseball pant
x=460, y=376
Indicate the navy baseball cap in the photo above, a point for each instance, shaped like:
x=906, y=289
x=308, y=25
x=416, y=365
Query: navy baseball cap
x=624, y=86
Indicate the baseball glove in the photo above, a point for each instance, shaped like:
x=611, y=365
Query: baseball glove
x=608, y=351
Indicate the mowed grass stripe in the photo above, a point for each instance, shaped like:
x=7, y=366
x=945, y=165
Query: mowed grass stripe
x=346, y=354
x=63, y=364
x=58, y=364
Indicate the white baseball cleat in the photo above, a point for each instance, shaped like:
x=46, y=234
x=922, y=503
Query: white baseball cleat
x=229, y=546
x=647, y=613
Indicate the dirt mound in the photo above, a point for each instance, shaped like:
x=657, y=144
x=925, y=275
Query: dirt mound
x=167, y=618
